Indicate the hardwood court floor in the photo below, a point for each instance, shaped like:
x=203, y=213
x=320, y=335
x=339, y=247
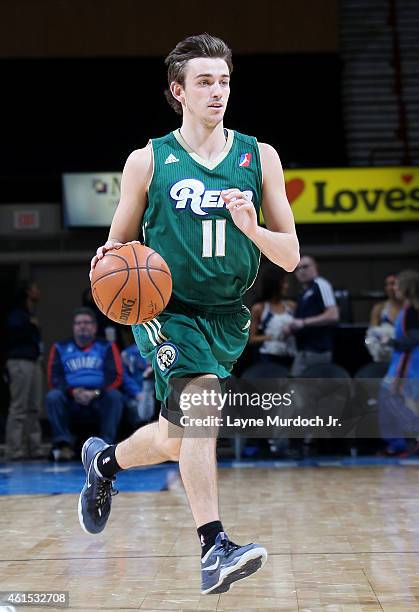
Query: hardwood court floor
x=340, y=539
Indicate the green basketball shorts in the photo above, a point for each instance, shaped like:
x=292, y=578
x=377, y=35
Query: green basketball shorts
x=183, y=343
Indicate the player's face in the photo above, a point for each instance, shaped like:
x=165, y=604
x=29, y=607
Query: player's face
x=206, y=90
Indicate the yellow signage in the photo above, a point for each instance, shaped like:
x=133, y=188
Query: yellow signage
x=354, y=195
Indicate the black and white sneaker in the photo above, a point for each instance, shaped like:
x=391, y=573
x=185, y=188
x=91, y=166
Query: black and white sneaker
x=227, y=562
x=95, y=498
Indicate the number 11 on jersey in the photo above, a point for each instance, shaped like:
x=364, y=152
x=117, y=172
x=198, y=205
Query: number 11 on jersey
x=220, y=237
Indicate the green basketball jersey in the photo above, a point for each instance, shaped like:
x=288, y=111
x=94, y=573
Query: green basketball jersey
x=212, y=262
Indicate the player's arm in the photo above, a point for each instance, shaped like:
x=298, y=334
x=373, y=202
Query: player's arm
x=126, y=221
x=278, y=241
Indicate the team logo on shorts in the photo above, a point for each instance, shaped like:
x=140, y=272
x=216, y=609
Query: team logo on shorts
x=166, y=356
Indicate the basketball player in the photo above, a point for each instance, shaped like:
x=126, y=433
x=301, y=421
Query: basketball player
x=197, y=193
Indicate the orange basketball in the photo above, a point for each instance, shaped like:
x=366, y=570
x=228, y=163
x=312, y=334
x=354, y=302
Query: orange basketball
x=131, y=284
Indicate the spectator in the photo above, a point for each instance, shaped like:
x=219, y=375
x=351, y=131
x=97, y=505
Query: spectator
x=25, y=375
x=137, y=386
x=382, y=319
x=270, y=316
x=387, y=311
x=399, y=394
x=84, y=374
x=106, y=328
x=315, y=316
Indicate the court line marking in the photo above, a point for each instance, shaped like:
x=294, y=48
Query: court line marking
x=288, y=554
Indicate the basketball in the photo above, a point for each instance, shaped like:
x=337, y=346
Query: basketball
x=131, y=284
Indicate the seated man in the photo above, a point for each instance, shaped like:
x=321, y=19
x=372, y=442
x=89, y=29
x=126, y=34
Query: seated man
x=84, y=374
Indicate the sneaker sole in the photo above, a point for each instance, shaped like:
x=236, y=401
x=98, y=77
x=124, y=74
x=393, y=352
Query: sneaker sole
x=79, y=512
x=248, y=564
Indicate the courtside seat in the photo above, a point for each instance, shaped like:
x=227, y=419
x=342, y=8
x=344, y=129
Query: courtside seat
x=326, y=390
x=265, y=370
x=375, y=369
x=261, y=370
x=365, y=408
x=326, y=370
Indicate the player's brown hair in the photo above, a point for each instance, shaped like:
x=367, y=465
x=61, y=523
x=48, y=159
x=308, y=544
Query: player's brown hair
x=201, y=45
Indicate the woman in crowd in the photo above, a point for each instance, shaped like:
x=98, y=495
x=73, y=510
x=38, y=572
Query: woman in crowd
x=382, y=320
x=387, y=311
x=269, y=317
x=399, y=396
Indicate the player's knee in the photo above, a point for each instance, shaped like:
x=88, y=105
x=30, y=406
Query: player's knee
x=170, y=447
x=173, y=449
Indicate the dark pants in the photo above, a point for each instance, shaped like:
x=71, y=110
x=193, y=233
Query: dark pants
x=396, y=421
x=63, y=412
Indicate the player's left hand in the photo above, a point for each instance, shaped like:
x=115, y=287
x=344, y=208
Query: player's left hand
x=242, y=210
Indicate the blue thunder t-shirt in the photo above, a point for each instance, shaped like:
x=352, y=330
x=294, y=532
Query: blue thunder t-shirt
x=84, y=367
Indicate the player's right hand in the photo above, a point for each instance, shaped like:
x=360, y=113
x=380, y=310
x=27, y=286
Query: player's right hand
x=109, y=244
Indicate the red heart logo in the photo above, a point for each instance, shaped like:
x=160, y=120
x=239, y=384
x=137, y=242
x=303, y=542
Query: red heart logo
x=294, y=188
x=406, y=178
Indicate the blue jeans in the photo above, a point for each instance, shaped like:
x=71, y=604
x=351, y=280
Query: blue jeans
x=396, y=420
x=63, y=412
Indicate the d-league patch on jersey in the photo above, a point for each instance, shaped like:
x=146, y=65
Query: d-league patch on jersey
x=166, y=356
x=245, y=159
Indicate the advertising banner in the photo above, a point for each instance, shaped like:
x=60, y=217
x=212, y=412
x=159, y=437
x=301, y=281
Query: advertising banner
x=90, y=200
x=341, y=195
x=353, y=195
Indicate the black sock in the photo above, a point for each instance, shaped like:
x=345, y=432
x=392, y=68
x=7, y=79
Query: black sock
x=207, y=534
x=106, y=462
